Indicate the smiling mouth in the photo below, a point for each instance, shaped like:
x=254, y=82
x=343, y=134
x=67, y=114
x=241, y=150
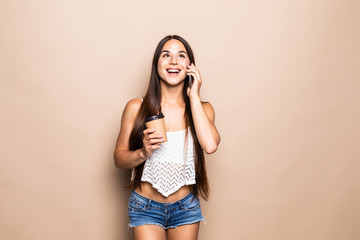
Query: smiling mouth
x=173, y=72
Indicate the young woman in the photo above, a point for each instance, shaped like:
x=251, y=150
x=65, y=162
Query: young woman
x=168, y=177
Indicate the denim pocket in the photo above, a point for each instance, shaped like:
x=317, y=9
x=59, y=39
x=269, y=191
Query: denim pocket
x=136, y=205
x=192, y=204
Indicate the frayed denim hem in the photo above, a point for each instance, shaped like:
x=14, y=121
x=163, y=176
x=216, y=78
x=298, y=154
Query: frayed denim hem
x=187, y=223
x=134, y=226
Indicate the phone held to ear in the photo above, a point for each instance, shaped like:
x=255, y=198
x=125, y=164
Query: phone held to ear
x=191, y=80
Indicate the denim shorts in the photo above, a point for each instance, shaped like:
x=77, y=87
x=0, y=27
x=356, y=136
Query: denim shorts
x=144, y=211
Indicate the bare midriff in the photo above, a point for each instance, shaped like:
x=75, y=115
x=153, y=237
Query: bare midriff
x=148, y=191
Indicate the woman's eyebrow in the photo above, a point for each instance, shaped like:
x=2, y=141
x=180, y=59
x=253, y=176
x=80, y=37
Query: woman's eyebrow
x=169, y=51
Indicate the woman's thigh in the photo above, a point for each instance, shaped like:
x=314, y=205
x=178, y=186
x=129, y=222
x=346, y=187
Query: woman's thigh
x=188, y=232
x=149, y=232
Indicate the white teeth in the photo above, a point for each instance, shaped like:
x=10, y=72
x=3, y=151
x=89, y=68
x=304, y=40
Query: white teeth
x=173, y=70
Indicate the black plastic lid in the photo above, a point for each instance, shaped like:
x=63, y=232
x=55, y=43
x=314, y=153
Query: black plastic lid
x=152, y=118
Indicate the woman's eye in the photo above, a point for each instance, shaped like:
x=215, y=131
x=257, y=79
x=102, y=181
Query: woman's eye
x=182, y=55
x=165, y=55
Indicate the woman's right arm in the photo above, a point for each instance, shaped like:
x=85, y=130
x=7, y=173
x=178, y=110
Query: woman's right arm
x=124, y=158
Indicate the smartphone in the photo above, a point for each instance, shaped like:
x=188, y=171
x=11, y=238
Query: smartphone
x=191, y=80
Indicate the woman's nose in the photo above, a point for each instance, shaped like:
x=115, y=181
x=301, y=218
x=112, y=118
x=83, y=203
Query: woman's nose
x=173, y=60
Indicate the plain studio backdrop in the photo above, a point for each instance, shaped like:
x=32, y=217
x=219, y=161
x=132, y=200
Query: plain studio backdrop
x=283, y=77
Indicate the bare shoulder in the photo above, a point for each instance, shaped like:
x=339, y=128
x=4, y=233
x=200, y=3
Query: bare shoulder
x=127, y=121
x=133, y=104
x=132, y=107
x=209, y=110
x=207, y=105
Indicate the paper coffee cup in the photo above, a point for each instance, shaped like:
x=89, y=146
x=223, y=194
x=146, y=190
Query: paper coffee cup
x=157, y=122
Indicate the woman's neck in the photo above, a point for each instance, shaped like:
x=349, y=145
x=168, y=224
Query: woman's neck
x=172, y=94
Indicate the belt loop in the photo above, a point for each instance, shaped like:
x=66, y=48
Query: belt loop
x=181, y=205
x=148, y=205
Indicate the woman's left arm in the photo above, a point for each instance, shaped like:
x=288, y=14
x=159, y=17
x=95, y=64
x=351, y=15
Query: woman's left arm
x=203, y=115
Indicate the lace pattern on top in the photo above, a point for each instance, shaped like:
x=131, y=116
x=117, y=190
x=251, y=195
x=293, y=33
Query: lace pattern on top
x=172, y=165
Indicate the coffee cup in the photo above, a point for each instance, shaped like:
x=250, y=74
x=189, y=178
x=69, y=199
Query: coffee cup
x=156, y=122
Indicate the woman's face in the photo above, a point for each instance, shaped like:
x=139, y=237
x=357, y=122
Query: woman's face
x=173, y=62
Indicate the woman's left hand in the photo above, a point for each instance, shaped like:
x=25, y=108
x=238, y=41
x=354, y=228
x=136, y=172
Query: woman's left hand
x=194, y=91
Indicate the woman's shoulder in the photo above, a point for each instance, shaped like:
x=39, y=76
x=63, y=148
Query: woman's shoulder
x=208, y=108
x=135, y=102
x=133, y=105
x=207, y=105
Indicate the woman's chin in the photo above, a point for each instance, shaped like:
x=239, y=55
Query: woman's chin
x=173, y=81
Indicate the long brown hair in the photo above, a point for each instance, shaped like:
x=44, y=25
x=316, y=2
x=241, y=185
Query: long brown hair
x=152, y=105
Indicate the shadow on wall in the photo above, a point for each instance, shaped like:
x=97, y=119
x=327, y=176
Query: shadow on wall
x=122, y=180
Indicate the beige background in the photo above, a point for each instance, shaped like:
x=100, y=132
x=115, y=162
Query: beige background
x=283, y=77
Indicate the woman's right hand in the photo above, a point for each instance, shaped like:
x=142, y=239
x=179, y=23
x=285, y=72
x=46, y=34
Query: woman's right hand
x=151, y=141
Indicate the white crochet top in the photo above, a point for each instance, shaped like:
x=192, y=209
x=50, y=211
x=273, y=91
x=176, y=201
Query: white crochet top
x=172, y=165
